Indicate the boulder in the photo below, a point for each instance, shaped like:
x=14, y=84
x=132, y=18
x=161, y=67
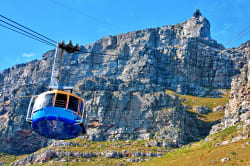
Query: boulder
x=202, y=110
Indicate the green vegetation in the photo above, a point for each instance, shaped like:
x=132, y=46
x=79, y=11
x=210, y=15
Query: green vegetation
x=208, y=153
x=205, y=152
x=211, y=103
x=96, y=147
x=6, y=158
x=104, y=146
x=85, y=162
x=202, y=101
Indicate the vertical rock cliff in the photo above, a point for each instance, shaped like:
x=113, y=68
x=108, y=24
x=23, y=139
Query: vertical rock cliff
x=238, y=107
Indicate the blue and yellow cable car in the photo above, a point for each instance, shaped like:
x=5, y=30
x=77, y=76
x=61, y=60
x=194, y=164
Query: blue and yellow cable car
x=58, y=114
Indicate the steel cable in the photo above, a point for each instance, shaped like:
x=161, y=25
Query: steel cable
x=27, y=35
x=27, y=28
x=26, y=32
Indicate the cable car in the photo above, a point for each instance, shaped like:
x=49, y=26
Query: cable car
x=58, y=113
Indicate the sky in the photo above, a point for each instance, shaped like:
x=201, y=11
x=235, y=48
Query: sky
x=85, y=21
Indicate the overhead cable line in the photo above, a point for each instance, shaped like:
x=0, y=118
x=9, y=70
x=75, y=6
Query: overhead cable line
x=243, y=31
x=34, y=35
x=27, y=28
x=240, y=35
x=27, y=32
x=26, y=35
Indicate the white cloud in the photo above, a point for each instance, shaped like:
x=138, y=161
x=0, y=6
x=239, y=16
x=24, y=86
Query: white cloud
x=28, y=55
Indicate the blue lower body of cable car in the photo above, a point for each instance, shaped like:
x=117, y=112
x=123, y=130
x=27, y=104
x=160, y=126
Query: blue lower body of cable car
x=56, y=123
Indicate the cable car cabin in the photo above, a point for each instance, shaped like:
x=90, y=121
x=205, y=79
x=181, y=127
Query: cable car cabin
x=57, y=114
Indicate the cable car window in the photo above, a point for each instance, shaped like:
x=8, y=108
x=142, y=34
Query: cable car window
x=38, y=102
x=48, y=101
x=61, y=100
x=43, y=101
x=73, y=103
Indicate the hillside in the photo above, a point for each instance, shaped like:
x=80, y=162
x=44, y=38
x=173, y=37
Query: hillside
x=228, y=142
x=161, y=89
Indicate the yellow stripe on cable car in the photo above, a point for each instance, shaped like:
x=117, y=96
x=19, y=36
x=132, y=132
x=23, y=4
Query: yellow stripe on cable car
x=63, y=92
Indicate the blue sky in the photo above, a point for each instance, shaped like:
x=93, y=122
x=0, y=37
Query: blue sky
x=85, y=21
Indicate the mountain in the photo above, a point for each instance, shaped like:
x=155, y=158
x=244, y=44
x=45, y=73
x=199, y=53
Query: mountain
x=237, y=109
x=140, y=91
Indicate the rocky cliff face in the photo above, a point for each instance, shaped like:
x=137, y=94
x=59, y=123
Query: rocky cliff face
x=17, y=83
x=240, y=91
x=125, y=91
x=238, y=107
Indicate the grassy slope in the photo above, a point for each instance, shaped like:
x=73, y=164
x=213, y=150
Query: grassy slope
x=200, y=153
x=211, y=103
x=208, y=153
x=5, y=158
x=94, y=147
x=105, y=146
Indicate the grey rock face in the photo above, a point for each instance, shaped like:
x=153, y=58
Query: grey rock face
x=133, y=115
x=17, y=83
x=197, y=27
x=202, y=110
x=112, y=154
x=219, y=108
x=125, y=91
x=238, y=108
x=240, y=94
